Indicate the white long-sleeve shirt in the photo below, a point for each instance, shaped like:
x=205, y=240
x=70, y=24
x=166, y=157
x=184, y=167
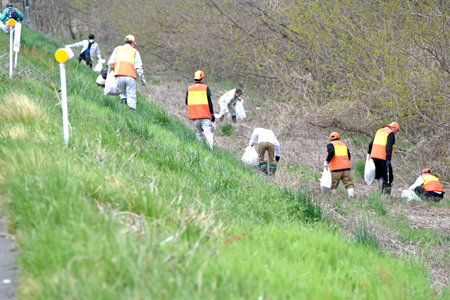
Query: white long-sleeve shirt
x=95, y=49
x=265, y=135
x=137, y=61
x=419, y=181
x=228, y=97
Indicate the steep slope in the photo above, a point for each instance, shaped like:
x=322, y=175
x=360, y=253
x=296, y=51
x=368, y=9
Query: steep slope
x=135, y=208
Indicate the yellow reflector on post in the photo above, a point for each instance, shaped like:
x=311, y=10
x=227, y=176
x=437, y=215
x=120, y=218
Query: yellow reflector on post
x=62, y=56
x=11, y=22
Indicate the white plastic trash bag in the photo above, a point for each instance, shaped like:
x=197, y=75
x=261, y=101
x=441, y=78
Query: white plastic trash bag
x=98, y=67
x=326, y=181
x=369, y=170
x=213, y=127
x=69, y=51
x=111, y=88
x=240, y=111
x=410, y=195
x=250, y=157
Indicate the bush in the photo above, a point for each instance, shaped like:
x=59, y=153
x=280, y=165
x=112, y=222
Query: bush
x=358, y=169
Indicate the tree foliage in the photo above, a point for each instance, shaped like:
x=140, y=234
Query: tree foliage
x=353, y=64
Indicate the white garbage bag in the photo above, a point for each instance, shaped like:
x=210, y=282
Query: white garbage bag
x=240, y=111
x=410, y=195
x=98, y=67
x=326, y=181
x=250, y=157
x=369, y=170
x=213, y=127
x=111, y=88
x=69, y=51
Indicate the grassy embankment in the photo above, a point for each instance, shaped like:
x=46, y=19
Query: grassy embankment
x=135, y=208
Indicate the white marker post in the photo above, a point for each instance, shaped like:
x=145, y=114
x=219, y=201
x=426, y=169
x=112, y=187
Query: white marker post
x=17, y=34
x=11, y=23
x=62, y=57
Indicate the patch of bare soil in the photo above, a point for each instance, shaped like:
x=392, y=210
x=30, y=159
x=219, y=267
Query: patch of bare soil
x=304, y=146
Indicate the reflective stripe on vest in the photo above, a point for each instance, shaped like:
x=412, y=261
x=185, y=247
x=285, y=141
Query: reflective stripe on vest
x=340, y=159
x=432, y=184
x=125, y=57
x=198, y=106
x=380, y=142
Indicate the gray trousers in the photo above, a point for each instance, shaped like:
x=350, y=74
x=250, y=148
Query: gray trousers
x=204, y=124
x=127, y=89
x=224, y=106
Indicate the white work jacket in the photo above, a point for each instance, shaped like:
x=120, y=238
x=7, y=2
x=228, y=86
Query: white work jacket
x=265, y=135
x=228, y=98
x=95, y=49
x=137, y=61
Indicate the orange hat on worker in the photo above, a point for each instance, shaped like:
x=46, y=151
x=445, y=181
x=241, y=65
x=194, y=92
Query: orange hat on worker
x=199, y=75
x=394, y=124
x=130, y=38
x=334, y=136
x=426, y=170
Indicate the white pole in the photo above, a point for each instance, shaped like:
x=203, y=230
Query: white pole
x=11, y=41
x=15, y=62
x=62, y=67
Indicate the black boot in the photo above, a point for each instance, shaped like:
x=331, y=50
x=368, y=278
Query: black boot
x=263, y=167
x=124, y=101
x=273, y=169
x=233, y=118
x=221, y=118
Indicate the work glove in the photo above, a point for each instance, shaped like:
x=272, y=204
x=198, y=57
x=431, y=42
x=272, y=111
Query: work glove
x=368, y=151
x=277, y=158
x=388, y=164
x=213, y=118
x=326, y=164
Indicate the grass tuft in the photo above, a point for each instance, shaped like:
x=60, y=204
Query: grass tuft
x=19, y=108
x=364, y=236
x=227, y=129
x=358, y=169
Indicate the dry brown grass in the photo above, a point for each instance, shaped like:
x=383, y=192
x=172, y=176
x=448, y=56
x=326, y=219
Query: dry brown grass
x=19, y=108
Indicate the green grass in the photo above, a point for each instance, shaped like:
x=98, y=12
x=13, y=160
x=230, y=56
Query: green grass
x=200, y=225
x=305, y=173
x=227, y=129
x=358, y=169
x=364, y=236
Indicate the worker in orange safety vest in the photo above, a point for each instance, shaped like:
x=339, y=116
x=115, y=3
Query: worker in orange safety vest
x=200, y=109
x=338, y=161
x=126, y=62
x=428, y=186
x=381, y=150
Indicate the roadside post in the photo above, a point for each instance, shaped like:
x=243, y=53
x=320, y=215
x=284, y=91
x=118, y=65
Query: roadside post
x=11, y=23
x=62, y=57
x=17, y=34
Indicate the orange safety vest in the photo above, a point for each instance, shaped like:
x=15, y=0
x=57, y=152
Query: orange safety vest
x=340, y=159
x=198, y=106
x=125, y=57
x=432, y=184
x=380, y=142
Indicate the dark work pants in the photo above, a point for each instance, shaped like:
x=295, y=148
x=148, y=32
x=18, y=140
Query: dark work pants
x=381, y=171
x=86, y=59
x=430, y=196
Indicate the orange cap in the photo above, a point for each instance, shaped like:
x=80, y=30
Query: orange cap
x=394, y=124
x=334, y=135
x=426, y=170
x=199, y=75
